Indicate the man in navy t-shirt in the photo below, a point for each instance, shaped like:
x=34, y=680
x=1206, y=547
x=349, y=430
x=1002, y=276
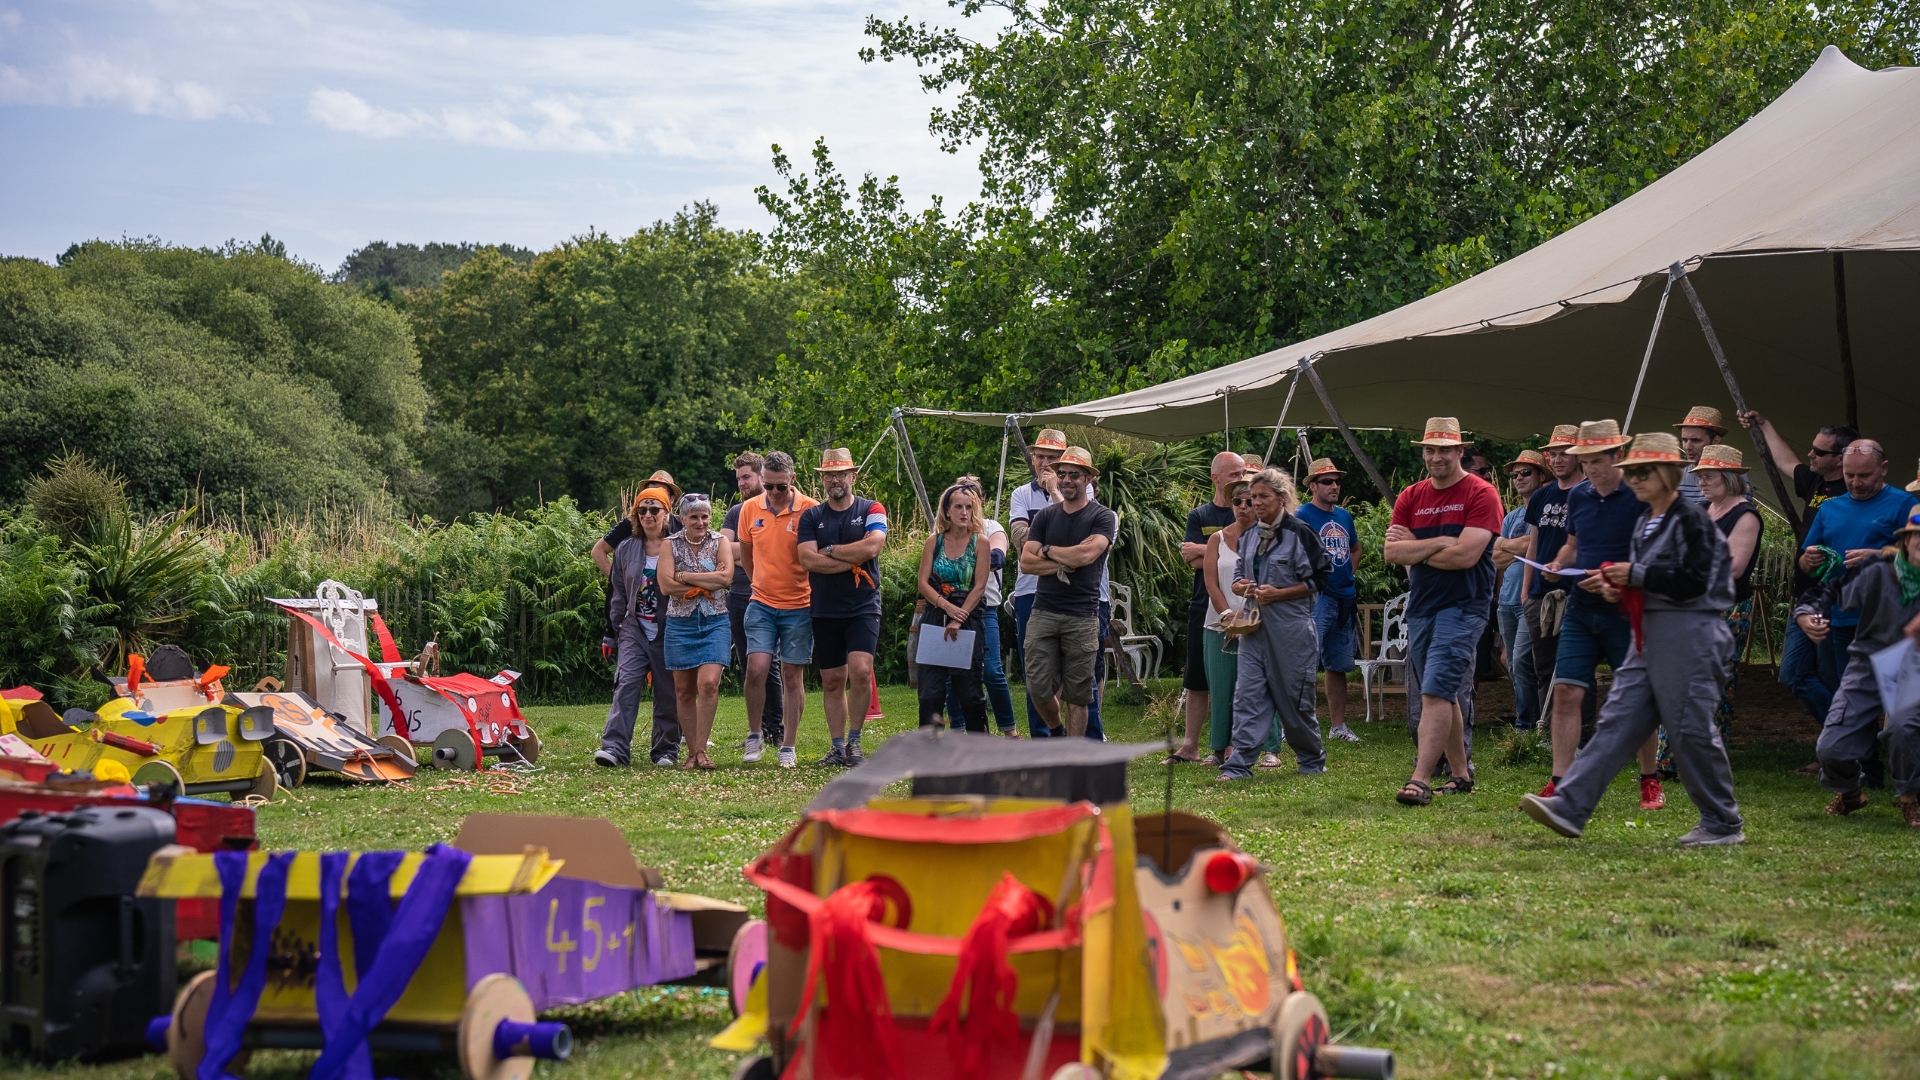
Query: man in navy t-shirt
x=1333, y=609
x=840, y=542
x=1601, y=512
x=1442, y=532
x=1546, y=535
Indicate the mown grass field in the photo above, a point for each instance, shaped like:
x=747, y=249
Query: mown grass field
x=1471, y=941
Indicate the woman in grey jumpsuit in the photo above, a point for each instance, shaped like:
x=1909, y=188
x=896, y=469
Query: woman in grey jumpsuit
x=635, y=622
x=1283, y=567
x=1679, y=566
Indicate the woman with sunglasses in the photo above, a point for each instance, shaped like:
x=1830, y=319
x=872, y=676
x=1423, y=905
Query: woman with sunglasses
x=1221, y=656
x=699, y=639
x=633, y=617
x=1675, y=587
x=953, y=579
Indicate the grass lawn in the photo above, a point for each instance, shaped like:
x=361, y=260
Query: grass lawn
x=1471, y=941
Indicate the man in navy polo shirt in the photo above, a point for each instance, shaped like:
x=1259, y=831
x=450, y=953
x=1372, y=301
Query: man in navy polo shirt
x=840, y=542
x=1601, y=511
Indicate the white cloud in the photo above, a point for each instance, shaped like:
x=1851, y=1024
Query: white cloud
x=343, y=110
x=93, y=79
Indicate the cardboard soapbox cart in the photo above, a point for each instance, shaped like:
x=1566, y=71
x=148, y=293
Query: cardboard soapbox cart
x=451, y=951
x=1013, y=920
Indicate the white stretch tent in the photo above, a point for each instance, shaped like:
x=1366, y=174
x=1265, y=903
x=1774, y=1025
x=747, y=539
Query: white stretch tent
x=1826, y=177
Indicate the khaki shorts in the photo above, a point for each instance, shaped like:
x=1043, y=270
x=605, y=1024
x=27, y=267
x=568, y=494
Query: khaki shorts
x=1061, y=650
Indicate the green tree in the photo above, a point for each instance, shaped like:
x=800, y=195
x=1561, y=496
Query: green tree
x=386, y=271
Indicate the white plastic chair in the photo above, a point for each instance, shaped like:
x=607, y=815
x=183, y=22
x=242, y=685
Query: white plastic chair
x=1392, y=654
x=1143, y=649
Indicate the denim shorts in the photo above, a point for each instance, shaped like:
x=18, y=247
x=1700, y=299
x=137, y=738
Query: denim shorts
x=1336, y=642
x=1440, y=648
x=693, y=640
x=787, y=634
x=1586, y=638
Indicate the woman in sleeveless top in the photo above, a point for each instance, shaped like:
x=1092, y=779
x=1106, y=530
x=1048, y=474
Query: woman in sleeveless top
x=1221, y=654
x=633, y=618
x=953, y=578
x=699, y=637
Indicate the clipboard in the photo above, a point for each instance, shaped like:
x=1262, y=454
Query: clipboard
x=936, y=651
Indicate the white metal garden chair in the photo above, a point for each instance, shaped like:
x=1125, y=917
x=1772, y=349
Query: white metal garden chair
x=1143, y=649
x=1392, y=654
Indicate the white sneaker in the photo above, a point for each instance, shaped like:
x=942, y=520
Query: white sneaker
x=787, y=758
x=753, y=749
x=664, y=762
x=1345, y=734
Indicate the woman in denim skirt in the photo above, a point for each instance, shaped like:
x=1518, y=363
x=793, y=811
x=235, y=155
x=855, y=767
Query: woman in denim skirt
x=699, y=638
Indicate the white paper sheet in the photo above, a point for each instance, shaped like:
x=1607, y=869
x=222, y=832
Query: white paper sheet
x=1897, y=669
x=937, y=651
x=1543, y=566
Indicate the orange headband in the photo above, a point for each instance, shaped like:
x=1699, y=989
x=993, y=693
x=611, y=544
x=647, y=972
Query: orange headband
x=658, y=494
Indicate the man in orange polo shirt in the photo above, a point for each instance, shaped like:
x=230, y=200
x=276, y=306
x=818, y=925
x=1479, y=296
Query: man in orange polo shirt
x=778, y=621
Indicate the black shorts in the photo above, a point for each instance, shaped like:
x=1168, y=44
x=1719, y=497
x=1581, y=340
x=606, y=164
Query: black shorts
x=1196, y=676
x=833, y=639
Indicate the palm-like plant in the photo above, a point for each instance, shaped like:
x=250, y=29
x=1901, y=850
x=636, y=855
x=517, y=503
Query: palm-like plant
x=153, y=583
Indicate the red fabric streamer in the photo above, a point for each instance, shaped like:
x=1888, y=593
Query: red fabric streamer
x=380, y=686
x=984, y=977
x=389, y=649
x=1633, y=604
x=856, y=1025
x=213, y=674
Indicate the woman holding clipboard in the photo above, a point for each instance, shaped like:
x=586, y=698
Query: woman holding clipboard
x=954, y=581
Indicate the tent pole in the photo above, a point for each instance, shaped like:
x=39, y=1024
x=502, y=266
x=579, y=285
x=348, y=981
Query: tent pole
x=1846, y=338
x=876, y=448
x=1658, y=315
x=1740, y=401
x=1274, y=443
x=913, y=467
x=1226, y=416
x=1306, y=451
x=1353, y=444
x=1000, y=486
x=1020, y=440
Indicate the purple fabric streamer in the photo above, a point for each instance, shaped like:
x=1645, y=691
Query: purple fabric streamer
x=228, y=1013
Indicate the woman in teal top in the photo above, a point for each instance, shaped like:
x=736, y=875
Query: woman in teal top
x=953, y=578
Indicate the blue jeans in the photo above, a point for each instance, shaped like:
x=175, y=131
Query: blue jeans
x=994, y=676
x=1812, y=671
x=1526, y=696
x=1036, y=727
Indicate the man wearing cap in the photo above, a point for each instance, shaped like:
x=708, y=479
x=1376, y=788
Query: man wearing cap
x=1700, y=429
x=1333, y=609
x=1443, y=529
x=1846, y=532
x=1882, y=590
x=840, y=542
x=1203, y=521
x=603, y=548
x=1544, y=602
x=1528, y=473
x=1601, y=511
x=1066, y=550
x=778, y=619
x=771, y=719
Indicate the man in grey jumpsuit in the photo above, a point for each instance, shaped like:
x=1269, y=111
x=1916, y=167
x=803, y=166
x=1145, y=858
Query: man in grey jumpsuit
x=633, y=611
x=1283, y=566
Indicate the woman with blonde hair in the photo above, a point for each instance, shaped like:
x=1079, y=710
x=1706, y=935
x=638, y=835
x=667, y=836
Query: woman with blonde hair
x=699, y=639
x=953, y=578
x=633, y=625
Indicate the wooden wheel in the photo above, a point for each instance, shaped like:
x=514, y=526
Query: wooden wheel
x=289, y=762
x=529, y=747
x=745, y=957
x=399, y=746
x=1297, y=1035
x=494, y=998
x=161, y=772
x=265, y=783
x=187, y=1034
x=454, y=749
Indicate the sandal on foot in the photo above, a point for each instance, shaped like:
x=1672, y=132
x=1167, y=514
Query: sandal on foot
x=1847, y=802
x=1181, y=759
x=1415, y=793
x=1455, y=786
x=702, y=761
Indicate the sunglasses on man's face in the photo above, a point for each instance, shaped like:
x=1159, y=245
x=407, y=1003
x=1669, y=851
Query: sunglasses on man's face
x=1329, y=480
x=1817, y=452
x=779, y=487
x=1070, y=474
x=1520, y=474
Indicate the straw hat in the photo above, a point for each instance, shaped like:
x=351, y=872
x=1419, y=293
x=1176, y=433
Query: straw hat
x=1443, y=431
x=1913, y=522
x=1529, y=457
x=1322, y=467
x=1654, y=447
x=1597, y=435
x=1078, y=456
x=1915, y=486
x=838, y=459
x=1705, y=416
x=1050, y=439
x=1719, y=457
x=1563, y=436
x=664, y=479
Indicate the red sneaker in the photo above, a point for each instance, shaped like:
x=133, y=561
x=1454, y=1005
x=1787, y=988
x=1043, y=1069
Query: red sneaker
x=1651, y=797
x=1547, y=792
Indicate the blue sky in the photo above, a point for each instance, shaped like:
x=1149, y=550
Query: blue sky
x=330, y=123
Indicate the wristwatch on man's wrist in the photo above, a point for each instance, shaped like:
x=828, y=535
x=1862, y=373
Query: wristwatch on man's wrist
x=827, y=551
x=1046, y=552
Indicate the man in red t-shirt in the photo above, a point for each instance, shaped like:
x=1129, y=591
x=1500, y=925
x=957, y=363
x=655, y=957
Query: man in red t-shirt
x=1442, y=532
